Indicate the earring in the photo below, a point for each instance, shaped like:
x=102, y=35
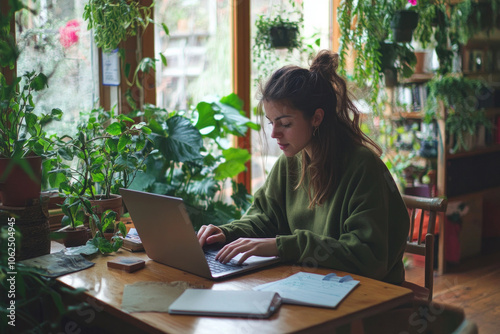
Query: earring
x=316, y=131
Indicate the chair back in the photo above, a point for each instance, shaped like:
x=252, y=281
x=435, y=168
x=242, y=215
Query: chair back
x=423, y=212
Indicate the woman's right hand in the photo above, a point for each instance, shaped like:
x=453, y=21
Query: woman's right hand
x=210, y=234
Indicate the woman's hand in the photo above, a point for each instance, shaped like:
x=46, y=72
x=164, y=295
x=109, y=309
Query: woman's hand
x=247, y=247
x=210, y=234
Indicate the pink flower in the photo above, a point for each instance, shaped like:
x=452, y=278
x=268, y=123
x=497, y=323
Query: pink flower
x=68, y=35
x=413, y=2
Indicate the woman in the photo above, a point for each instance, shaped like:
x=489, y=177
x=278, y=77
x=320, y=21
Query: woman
x=329, y=200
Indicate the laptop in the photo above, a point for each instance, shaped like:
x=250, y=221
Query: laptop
x=168, y=237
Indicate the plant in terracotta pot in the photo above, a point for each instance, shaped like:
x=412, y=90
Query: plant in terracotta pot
x=23, y=142
x=75, y=232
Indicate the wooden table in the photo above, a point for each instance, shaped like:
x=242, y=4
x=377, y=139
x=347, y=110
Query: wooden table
x=105, y=289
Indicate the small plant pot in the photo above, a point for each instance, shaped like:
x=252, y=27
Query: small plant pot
x=403, y=23
x=421, y=61
x=114, y=203
x=283, y=37
x=76, y=237
x=13, y=178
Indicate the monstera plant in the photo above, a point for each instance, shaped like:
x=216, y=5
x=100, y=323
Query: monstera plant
x=194, y=159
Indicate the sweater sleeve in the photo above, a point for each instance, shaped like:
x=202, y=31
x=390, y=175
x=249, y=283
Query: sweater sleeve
x=266, y=217
x=372, y=225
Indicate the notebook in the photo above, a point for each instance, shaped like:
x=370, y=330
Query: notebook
x=227, y=303
x=311, y=289
x=168, y=237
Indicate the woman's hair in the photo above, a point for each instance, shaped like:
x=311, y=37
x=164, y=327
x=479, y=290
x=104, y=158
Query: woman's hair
x=307, y=90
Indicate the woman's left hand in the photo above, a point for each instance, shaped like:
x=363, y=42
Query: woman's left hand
x=247, y=247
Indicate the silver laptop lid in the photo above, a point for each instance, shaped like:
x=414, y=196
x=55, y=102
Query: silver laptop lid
x=168, y=236
x=166, y=232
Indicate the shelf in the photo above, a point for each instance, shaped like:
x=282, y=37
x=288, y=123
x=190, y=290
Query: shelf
x=407, y=115
x=418, y=78
x=475, y=152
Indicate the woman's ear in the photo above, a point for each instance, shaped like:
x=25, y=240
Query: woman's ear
x=318, y=117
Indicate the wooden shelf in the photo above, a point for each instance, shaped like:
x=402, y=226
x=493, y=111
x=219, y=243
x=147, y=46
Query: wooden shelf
x=475, y=152
x=418, y=78
x=407, y=115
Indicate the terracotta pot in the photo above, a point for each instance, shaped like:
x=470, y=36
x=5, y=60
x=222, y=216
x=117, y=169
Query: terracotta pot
x=76, y=237
x=114, y=203
x=17, y=189
x=421, y=59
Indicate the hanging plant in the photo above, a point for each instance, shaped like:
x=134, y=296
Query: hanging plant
x=278, y=32
x=113, y=21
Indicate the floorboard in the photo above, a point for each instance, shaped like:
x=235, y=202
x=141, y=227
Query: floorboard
x=473, y=285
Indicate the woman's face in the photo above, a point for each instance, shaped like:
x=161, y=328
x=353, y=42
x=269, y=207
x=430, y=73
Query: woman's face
x=292, y=132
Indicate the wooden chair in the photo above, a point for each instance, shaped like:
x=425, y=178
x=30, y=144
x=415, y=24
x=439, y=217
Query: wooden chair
x=423, y=212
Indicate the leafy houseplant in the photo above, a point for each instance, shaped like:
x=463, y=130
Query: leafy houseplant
x=114, y=21
x=23, y=142
x=365, y=26
x=193, y=160
x=279, y=31
x=31, y=293
x=106, y=155
x=461, y=97
x=90, y=167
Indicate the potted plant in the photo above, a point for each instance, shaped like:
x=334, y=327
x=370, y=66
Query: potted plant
x=91, y=166
x=403, y=23
x=75, y=232
x=460, y=96
x=365, y=26
x=278, y=37
x=277, y=32
x=23, y=141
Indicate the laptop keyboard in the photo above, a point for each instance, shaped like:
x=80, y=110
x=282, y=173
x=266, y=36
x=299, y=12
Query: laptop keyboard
x=217, y=267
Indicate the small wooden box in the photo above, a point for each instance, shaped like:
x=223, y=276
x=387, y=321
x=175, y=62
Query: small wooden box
x=127, y=264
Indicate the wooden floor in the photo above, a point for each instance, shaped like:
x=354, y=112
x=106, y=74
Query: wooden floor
x=473, y=285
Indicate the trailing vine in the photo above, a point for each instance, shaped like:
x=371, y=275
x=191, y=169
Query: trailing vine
x=114, y=21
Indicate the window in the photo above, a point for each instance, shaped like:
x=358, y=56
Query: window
x=198, y=51
x=317, y=24
x=54, y=40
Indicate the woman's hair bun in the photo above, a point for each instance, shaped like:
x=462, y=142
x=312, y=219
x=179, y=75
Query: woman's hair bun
x=325, y=63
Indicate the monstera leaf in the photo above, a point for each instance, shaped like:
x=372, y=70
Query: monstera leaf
x=181, y=141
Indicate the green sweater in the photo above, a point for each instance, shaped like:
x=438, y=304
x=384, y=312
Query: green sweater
x=362, y=229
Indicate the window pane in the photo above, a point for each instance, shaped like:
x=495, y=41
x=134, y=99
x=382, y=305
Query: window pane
x=54, y=40
x=198, y=51
x=317, y=25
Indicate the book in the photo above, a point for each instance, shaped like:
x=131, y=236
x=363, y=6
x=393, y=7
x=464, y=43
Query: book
x=132, y=241
x=229, y=303
x=312, y=289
